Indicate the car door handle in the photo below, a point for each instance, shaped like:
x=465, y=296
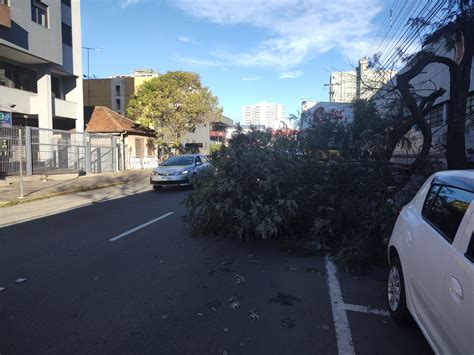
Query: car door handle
x=455, y=290
x=408, y=238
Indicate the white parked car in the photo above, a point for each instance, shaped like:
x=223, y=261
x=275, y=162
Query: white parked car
x=431, y=258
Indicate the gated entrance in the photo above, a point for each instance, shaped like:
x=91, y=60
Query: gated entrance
x=51, y=151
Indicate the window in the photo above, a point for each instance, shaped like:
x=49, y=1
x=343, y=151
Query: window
x=139, y=148
x=5, y=2
x=470, y=249
x=117, y=104
x=435, y=117
x=150, y=148
x=17, y=78
x=117, y=90
x=39, y=13
x=67, y=34
x=444, y=209
x=66, y=2
x=198, y=160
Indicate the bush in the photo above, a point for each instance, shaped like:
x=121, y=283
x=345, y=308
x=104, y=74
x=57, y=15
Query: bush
x=251, y=190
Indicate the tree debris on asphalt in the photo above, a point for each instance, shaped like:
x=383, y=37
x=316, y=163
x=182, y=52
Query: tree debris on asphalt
x=288, y=322
x=2, y=289
x=213, y=305
x=253, y=315
x=239, y=278
x=235, y=305
x=227, y=262
x=20, y=280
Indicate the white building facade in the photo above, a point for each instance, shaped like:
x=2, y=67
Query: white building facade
x=41, y=64
x=433, y=77
x=268, y=114
x=361, y=83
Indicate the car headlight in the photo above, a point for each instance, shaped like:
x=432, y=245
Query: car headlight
x=184, y=172
x=154, y=173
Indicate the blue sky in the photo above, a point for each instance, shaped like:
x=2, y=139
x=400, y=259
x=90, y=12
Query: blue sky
x=246, y=51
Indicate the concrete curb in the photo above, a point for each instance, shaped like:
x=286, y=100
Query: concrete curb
x=55, y=194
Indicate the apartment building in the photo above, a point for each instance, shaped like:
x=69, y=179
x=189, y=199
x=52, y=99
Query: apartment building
x=360, y=83
x=41, y=64
x=342, y=86
x=116, y=91
x=268, y=114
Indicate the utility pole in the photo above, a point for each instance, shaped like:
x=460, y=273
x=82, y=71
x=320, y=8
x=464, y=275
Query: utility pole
x=88, y=49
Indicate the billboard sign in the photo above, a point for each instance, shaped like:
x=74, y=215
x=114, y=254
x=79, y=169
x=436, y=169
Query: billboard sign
x=314, y=112
x=5, y=118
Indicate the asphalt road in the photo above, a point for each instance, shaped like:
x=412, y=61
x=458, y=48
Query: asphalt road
x=157, y=290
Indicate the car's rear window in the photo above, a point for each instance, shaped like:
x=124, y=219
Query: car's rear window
x=444, y=208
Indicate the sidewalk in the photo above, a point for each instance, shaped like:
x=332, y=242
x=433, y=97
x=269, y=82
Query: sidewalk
x=40, y=189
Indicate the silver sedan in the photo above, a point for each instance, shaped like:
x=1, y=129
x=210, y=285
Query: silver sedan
x=178, y=170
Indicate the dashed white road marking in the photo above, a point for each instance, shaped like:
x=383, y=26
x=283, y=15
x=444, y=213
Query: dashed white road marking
x=130, y=231
x=366, y=309
x=341, y=323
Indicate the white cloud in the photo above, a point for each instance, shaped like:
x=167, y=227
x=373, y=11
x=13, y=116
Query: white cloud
x=199, y=62
x=184, y=39
x=127, y=3
x=251, y=78
x=291, y=74
x=297, y=29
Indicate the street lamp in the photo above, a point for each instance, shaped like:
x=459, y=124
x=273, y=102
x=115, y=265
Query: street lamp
x=88, y=49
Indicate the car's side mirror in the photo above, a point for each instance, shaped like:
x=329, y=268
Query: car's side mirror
x=198, y=163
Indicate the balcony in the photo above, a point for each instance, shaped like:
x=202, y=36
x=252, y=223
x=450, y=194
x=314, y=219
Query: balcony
x=5, y=16
x=24, y=101
x=66, y=109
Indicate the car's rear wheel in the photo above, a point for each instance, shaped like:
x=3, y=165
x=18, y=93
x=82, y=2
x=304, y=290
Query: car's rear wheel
x=157, y=187
x=396, y=297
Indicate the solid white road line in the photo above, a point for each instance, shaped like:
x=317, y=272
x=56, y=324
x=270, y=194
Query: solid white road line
x=124, y=234
x=366, y=309
x=341, y=323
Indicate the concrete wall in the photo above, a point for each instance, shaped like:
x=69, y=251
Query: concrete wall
x=26, y=35
x=200, y=135
x=103, y=91
x=41, y=49
x=97, y=92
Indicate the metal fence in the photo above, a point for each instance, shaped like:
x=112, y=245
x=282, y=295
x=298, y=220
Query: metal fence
x=103, y=152
x=51, y=151
x=11, y=151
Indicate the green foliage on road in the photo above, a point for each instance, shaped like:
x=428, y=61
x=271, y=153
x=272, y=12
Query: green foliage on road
x=331, y=187
x=173, y=104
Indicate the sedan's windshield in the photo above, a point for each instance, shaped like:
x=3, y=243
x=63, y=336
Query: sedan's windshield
x=179, y=161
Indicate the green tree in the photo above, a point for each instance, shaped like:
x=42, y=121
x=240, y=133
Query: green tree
x=173, y=104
